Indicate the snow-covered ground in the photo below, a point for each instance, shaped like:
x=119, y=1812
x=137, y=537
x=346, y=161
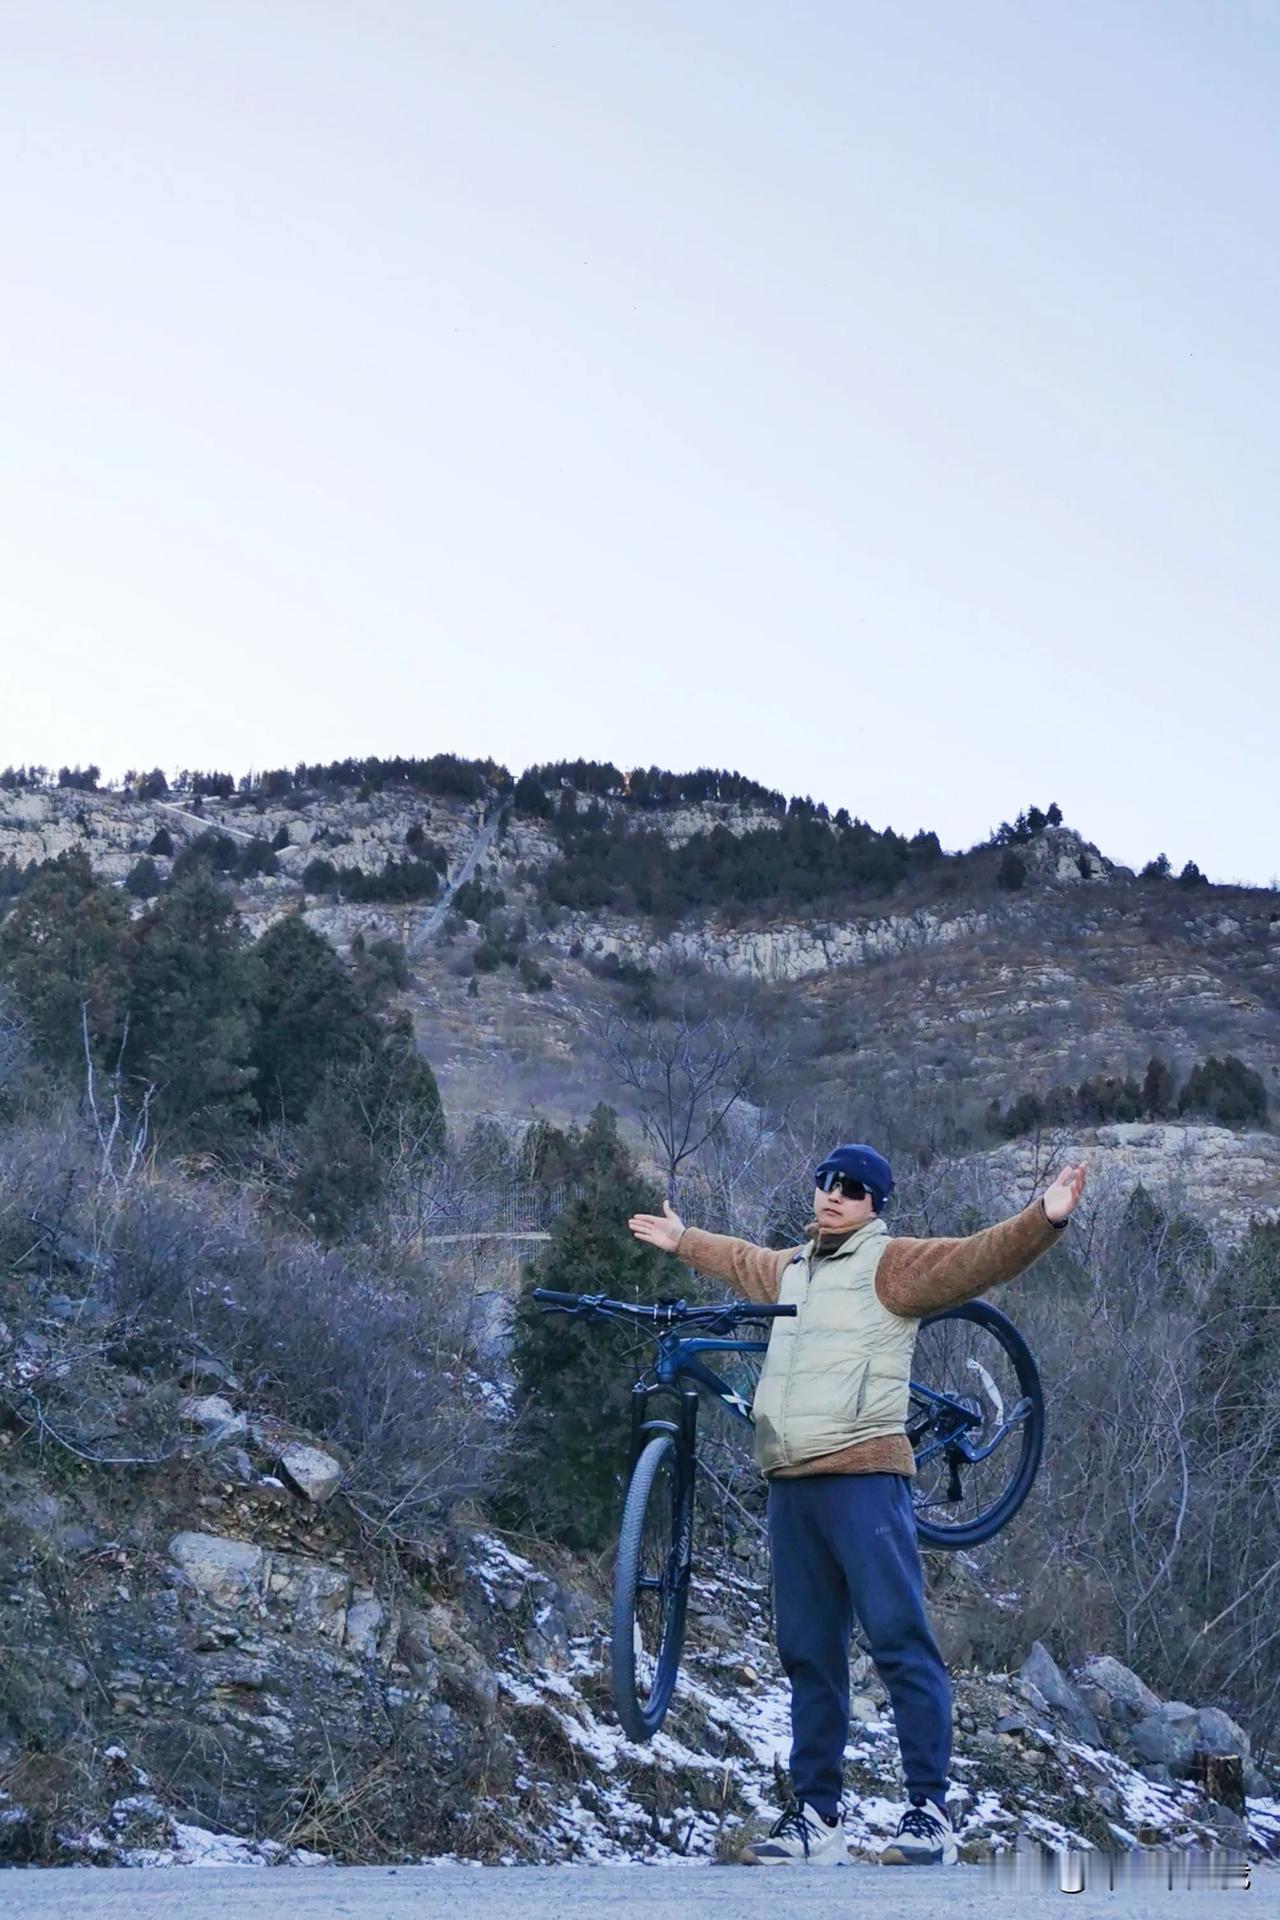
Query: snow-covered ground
x=744, y=1696
x=693, y=1793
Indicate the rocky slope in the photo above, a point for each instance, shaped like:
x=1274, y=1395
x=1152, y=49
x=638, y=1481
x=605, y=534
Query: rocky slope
x=212, y=1660
x=207, y=1651
x=963, y=996
x=1223, y=1178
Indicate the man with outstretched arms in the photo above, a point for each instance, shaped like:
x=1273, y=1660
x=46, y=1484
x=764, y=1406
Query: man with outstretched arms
x=830, y=1436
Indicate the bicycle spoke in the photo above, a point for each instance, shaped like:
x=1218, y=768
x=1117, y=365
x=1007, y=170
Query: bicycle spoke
x=983, y=1411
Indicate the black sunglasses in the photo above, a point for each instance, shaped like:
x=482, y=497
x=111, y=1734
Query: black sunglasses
x=843, y=1184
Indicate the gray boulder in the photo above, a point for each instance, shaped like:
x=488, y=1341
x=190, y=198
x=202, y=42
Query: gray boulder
x=1166, y=1740
x=214, y=1416
x=36, y=1513
x=1228, y=1827
x=1041, y=1671
x=546, y=1642
x=315, y=1475
x=365, y=1618
x=464, y=1676
x=1098, y=1702
x=581, y=1610
x=314, y=1594
x=1218, y=1733
x=1178, y=1714
x=228, y=1572
x=1131, y=1699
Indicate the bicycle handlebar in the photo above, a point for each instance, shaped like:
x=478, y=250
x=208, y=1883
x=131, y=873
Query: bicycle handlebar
x=670, y=1310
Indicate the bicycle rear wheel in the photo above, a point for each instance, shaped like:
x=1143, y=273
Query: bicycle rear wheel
x=651, y=1586
x=975, y=1357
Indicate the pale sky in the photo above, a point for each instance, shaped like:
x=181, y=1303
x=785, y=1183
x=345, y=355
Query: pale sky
x=877, y=397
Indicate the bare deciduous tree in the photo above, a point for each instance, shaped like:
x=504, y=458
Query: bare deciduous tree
x=115, y=1132
x=688, y=1070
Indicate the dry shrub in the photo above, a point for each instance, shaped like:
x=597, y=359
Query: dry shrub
x=1153, y=1529
x=165, y=1264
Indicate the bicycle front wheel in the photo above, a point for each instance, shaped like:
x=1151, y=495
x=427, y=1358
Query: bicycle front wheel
x=976, y=1423
x=651, y=1586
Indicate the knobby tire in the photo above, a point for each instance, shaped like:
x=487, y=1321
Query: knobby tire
x=641, y=1711
x=1002, y=1511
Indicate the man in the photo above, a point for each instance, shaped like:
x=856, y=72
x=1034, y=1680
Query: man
x=830, y=1436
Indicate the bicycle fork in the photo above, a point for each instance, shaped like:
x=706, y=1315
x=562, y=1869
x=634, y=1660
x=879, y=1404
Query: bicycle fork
x=644, y=1423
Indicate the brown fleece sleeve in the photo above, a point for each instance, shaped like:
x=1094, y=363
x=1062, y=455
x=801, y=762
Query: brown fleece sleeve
x=751, y=1271
x=916, y=1277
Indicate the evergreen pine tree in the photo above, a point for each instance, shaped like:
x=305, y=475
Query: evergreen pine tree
x=253, y=858
x=399, y=1093
x=379, y=1107
x=192, y=1011
x=530, y=796
x=336, y=1178
x=310, y=1019
x=65, y=945
x=1159, y=1097
x=1226, y=1092
x=574, y=1376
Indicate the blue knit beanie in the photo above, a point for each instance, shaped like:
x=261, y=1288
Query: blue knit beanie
x=860, y=1163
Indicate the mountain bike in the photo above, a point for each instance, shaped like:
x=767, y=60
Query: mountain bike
x=975, y=1422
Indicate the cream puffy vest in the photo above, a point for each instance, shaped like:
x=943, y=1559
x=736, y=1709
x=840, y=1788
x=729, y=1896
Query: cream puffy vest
x=840, y=1371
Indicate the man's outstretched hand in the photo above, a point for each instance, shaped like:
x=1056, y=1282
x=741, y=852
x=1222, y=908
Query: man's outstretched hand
x=1060, y=1199
x=658, y=1229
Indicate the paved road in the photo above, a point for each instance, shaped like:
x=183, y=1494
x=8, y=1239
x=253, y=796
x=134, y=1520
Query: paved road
x=578, y=1893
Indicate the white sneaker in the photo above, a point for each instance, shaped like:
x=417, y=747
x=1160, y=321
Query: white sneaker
x=925, y=1838
x=800, y=1838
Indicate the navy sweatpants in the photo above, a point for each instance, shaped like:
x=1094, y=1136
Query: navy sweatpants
x=845, y=1544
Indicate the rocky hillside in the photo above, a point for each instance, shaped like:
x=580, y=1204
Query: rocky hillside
x=254, y=1599
x=212, y=1660
x=952, y=991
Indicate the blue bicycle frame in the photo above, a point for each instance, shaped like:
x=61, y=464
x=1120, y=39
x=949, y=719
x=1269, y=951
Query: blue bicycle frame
x=677, y=1361
x=955, y=1426
x=676, y=1373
